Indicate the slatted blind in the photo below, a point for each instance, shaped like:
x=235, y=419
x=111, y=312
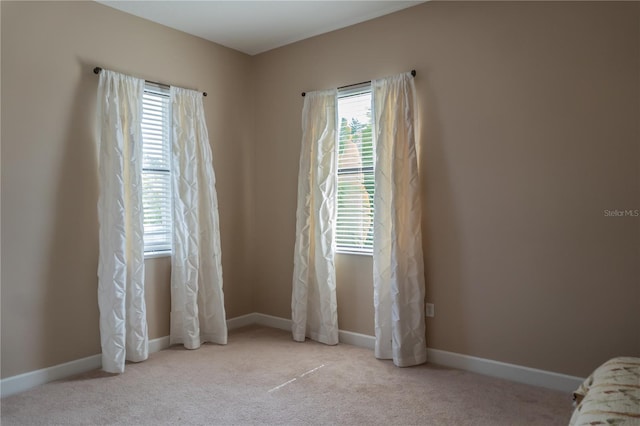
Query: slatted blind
x=156, y=169
x=356, y=160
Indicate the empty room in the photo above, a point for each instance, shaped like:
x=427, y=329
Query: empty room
x=320, y=212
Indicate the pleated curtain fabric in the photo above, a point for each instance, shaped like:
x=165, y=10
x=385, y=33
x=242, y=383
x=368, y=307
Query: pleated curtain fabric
x=398, y=270
x=313, y=304
x=197, y=299
x=123, y=324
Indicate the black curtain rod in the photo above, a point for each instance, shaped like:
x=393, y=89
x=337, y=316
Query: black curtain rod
x=97, y=70
x=413, y=73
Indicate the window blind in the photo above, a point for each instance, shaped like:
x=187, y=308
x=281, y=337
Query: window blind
x=156, y=169
x=356, y=160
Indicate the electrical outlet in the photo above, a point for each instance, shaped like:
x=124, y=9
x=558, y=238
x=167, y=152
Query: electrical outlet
x=430, y=310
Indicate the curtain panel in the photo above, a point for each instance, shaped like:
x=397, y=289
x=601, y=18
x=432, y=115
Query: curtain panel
x=398, y=270
x=197, y=299
x=123, y=323
x=313, y=305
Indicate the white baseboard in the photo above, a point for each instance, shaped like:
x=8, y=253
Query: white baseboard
x=156, y=345
x=348, y=337
x=503, y=370
x=25, y=381
x=22, y=382
x=488, y=367
x=241, y=321
x=516, y=373
x=357, y=339
x=273, y=322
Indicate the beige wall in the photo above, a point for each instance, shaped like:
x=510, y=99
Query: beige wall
x=49, y=179
x=529, y=131
x=530, y=117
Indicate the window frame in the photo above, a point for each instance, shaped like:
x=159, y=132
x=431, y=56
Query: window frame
x=164, y=92
x=369, y=170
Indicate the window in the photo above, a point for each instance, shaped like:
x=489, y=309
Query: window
x=156, y=170
x=356, y=159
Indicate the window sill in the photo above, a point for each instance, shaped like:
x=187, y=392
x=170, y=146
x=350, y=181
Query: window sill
x=357, y=253
x=155, y=254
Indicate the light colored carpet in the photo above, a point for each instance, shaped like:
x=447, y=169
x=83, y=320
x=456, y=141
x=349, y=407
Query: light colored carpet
x=251, y=381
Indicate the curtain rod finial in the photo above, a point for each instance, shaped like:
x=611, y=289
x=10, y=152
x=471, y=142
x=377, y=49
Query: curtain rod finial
x=97, y=70
x=304, y=93
x=204, y=93
x=413, y=73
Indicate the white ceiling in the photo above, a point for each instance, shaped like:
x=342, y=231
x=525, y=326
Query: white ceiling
x=253, y=27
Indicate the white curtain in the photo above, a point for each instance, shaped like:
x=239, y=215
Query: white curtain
x=313, y=301
x=123, y=323
x=197, y=300
x=398, y=271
